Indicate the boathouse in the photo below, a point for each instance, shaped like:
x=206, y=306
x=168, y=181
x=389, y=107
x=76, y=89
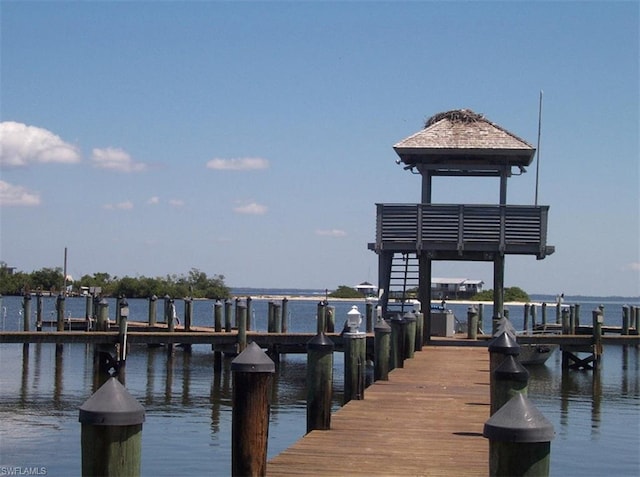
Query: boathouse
x=409, y=237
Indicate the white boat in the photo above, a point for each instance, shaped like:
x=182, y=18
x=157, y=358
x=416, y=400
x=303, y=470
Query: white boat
x=535, y=354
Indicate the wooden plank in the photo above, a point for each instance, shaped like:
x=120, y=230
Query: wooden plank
x=426, y=420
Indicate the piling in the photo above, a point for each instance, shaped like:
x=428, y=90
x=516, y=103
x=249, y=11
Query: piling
x=153, y=310
x=499, y=347
x=510, y=377
x=397, y=342
x=382, y=350
x=330, y=318
x=60, y=312
x=26, y=312
x=228, y=310
x=519, y=440
x=635, y=319
x=409, y=334
x=355, y=348
x=39, y=312
x=188, y=320
x=544, y=317
x=217, y=326
x=319, y=382
x=369, y=316
x=598, y=321
x=248, y=301
x=419, y=330
x=277, y=317
x=472, y=323
x=566, y=325
x=480, y=308
x=572, y=319
x=241, y=312
x=285, y=315
x=111, y=434
x=271, y=317
x=88, y=308
x=252, y=373
x=171, y=316
x=625, y=320
x=577, y=315
x=321, y=317
x=102, y=321
x=525, y=325
x=534, y=316
x=123, y=307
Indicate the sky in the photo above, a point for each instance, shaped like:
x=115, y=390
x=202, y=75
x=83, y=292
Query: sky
x=252, y=140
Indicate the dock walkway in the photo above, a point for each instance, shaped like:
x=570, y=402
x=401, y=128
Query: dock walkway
x=427, y=420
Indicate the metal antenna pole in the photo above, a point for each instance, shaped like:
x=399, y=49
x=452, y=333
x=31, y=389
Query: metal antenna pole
x=538, y=147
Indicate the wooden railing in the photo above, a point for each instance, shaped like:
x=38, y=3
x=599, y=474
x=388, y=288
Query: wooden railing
x=518, y=229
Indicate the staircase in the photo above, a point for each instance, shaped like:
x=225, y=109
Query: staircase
x=403, y=283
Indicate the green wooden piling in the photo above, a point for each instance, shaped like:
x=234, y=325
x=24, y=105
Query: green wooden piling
x=534, y=316
x=285, y=315
x=330, y=318
x=636, y=320
x=397, y=342
x=354, y=365
x=248, y=301
x=577, y=315
x=188, y=313
x=472, y=323
x=252, y=375
x=26, y=312
x=123, y=315
x=102, y=321
x=60, y=312
x=419, y=330
x=271, y=318
x=598, y=321
x=409, y=335
x=241, y=312
x=319, y=382
x=382, y=350
x=572, y=319
x=480, y=308
x=88, y=307
x=369, y=316
x=228, y=313
x=153, y=310
x=321, y=317
x=111, y=432
x=39, y=312
x=625, y=320
x=519, y=440
x=277, y=318
x=544, y=317
x=525, y=323
x=510, y=377
x=172, y=316
x=566, y=324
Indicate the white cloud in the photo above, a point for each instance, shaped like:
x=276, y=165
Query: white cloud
x=116, y=159
x=13, y=195
x=251, y=208
x=331, y=233
x=176, y=202
x=153, y=200
x=126, y=205
x=239, y=164
x=21, y=145
x=633, y=266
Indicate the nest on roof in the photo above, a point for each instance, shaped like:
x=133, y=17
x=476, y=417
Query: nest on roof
x=455, y=116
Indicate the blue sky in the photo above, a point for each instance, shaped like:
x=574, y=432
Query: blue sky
x=253, y=140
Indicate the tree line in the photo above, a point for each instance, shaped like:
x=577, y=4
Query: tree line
x=195, y=284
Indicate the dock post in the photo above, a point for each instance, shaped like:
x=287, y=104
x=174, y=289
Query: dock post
x=382, y=350
x=625, y=320
x=544, y=317
x=171, y=316
x=525, y=323
x=572, y=319
x=409, y=335
x=26, y=311
x=277, y=318
x=577, y=315
x=153, y=310
x=249, y=312
x=88, y=308
x=419, y=329
x=217, y=326
x=188, y=320
x=321, y=317
x=330, y=318
x=519, y=440
x=534, y=316
x=102, y=321
x=252, y=372
x=111, y=433
x=284, y=327
x=472, y=323
x=228, y=309
x=355, y=345
x=39, y=311
x=167, y=310
x=319, y=382
x=271, y=318
x=60, y=312
x=499, y=348
x=241, y=317
x=480, y=308
x=566, y=325
x=123, y=307
x=636, y=321
x=397, y=342
x=598, y=321
x=369, y=315
x=510, y=377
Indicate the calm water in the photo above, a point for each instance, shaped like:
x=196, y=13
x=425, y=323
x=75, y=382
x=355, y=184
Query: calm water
x=188, y=415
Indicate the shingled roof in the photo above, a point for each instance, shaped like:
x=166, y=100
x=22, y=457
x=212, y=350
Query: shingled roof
x=462, y=136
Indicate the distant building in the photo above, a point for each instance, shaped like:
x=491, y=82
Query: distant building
x=455, y=288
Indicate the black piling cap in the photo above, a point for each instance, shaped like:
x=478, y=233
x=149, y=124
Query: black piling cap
x=504, y=343
x=320, y=342
x=511, y=370
x=111, y=405
x=253, y=360
x=518, y=421
x=382, y=327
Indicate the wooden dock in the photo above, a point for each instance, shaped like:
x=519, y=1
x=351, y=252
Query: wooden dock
x=426, y=420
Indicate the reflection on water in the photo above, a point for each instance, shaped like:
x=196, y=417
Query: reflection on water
x=188, y=406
